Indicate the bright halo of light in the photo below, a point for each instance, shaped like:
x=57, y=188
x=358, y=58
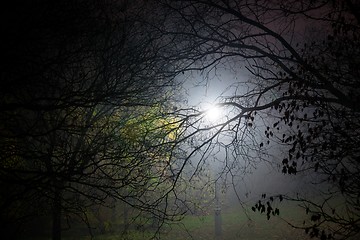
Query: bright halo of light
x=213, y=113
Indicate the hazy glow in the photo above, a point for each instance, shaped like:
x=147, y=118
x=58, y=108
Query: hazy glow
x=213, y=113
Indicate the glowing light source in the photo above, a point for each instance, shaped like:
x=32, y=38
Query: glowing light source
x=213, y=113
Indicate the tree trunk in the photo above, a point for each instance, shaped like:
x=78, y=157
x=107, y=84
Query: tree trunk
x=126, y=217
x=56, y=214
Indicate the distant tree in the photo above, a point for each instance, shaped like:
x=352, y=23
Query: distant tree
x=84, y=97
x=301, y=97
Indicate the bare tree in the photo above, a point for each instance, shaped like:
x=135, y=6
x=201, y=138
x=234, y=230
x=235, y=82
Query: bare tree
x=301, y=96
x=84, y=102
x=86, y=90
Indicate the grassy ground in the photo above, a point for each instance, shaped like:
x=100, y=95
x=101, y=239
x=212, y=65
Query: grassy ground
x=235, y=225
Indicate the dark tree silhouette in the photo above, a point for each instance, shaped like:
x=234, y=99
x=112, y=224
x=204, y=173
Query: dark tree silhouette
x=86, y=88
x=82, y=105
x=302, y=94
